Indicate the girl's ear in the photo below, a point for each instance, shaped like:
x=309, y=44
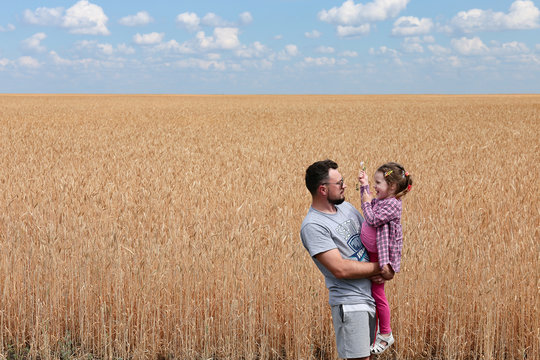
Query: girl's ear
x=393, y=188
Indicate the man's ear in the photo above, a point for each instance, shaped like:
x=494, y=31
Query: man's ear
x=322, y=190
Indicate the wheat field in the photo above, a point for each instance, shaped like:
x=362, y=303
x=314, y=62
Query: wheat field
x=139, y=227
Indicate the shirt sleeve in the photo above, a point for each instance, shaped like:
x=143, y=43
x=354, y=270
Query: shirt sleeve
x=316, y=239
x=383, y=244
x=383, y=213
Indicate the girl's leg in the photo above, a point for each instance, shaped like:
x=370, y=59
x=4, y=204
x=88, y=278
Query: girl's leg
x=383, y=309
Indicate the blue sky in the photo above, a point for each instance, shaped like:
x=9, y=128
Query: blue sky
x=270, y=47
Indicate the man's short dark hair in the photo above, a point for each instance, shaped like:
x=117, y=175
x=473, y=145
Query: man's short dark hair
x=317, y=173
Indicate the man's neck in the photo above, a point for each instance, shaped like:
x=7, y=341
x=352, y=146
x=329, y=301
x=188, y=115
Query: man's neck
x=323, y=206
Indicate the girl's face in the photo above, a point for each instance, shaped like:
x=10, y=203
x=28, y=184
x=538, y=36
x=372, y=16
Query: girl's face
x=382, y=189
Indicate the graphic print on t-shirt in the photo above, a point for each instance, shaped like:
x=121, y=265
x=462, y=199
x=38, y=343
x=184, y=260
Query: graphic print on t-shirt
x=349, y=231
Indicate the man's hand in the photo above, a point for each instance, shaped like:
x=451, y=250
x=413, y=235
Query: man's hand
x=387, y=272
x=378, y=279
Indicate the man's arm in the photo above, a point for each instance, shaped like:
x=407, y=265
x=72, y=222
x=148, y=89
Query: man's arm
x=347, y=269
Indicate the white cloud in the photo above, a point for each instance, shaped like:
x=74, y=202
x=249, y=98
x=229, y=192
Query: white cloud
x=410, y=25
x=141, y=18
x=291, y=50
x=29, y=62
x=522, y=15
x=174, y=46
x=57, y=60
x=412, y=45
x=255, y=50
x=125, y=49
x=44, y=16
x=278, y=37
x=323, y=61
x=189, y=21
x=245, y=18
x=148, y=39
x=537, y=46
x=466, y=46
x=349, y=31
x=383, y=50
x=201, y=64
x=288, y=52
x=107, y=49
x=349, y=53
x=9, y=27
x=352, y=14
x=214, y=20
x=4, y=62
x=34, y=42
x=510, y=48
x=224, y=38
x=82, y=18
x=86, y=18
x=438, y=50
x=325, y=50
x=313, y=34
x=320, y=61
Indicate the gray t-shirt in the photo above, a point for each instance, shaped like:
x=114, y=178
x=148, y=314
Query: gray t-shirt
x=321, y=232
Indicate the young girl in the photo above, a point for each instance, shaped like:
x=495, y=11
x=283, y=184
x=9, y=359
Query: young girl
x=382, y=235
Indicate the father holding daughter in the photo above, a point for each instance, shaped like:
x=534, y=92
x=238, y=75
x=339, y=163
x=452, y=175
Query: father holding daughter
x=331, y=233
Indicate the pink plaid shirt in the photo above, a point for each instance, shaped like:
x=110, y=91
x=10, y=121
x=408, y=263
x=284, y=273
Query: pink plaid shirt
x=385, y=215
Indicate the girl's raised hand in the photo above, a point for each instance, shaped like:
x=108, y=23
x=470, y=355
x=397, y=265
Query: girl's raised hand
x=363, y=178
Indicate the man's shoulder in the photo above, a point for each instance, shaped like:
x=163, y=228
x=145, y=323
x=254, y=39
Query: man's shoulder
x=348, y=208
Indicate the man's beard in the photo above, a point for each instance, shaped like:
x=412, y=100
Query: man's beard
x=336, y=201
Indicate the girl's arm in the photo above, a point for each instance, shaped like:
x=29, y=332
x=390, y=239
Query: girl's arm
x=386, y=211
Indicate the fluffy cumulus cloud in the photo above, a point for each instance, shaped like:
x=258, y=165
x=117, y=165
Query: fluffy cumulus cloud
x=288, y=52
x=223, y=38
x=522, y=15
x=351, y=14
x=469, y=46
x=44, y=16
x=313, y=34
x=438, y=50
x=351, y=31
x=256, y=50
x=291, y=50
x=3, y=63
x=214, y=20
x=104, y=48
x=325, y=49
x=28, y=62
x=510, y=48
x=192, y=22
x=8, y=27
x=201, y=64
x=245, y=18
x=188, y=20
x=82, y=18
x=174, y=46
x=33, y=43
x=410, y=26
x=148, y=39
x=349, y=53
x=141, y=18
x=323, y=61
x=86, y=18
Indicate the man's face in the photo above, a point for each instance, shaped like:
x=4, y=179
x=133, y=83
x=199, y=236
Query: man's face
x=336, y=187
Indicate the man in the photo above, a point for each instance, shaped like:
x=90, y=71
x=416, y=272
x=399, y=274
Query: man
x=331, y=234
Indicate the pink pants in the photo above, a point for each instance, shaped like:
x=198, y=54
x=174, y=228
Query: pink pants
x=383, y=309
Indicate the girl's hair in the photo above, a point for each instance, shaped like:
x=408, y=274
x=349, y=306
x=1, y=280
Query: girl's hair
x=394, y=173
